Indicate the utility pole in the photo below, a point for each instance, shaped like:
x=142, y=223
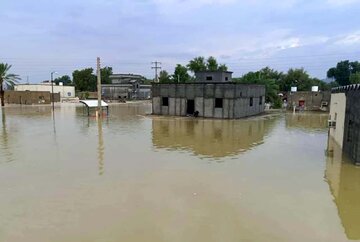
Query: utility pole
x=98, y=73
x=156, y=67
x=52, y=90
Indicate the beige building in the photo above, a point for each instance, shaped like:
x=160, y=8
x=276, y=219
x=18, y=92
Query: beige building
x=337, y=117
x=64, y=91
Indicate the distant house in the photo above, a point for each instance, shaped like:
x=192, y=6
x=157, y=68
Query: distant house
x=309, y=100
x=212, y=95
x=126, y=86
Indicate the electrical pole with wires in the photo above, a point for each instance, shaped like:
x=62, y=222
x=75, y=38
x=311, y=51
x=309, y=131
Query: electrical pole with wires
x=156, y=67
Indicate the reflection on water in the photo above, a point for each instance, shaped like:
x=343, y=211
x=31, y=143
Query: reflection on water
x=310, y=122
x=344, y=181
x=122, y=178
x=211, y=138
x=100, y=147
x=4, y=141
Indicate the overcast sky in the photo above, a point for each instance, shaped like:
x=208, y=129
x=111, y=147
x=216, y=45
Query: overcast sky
x=40, y=36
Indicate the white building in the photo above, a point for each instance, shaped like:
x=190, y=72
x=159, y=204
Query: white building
x=65, y=91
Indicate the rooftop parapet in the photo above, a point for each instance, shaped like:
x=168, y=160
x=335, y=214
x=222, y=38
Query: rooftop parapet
x=347, y=88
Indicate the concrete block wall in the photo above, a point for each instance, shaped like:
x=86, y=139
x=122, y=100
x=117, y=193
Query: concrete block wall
x=351, y=143
x=313, y=100
x=235, y=99
x=30, y=97
x=217, y=76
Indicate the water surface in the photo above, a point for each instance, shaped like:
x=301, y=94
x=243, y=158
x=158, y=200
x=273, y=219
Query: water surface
x=135, y=177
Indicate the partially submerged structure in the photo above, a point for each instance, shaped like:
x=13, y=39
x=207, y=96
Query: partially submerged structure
x=344, y=120
x=64, y=91
x=212, y=95
x=30, y=97
x=126, y=87
x=93, y=104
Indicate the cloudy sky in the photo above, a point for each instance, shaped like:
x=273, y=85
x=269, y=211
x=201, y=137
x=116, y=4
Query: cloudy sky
x=39, y=36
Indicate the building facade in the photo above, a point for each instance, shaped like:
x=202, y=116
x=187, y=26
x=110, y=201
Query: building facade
x=344, y=120
x=210, y=99
x=309, y=100
x=126, y=87
x=64, y=91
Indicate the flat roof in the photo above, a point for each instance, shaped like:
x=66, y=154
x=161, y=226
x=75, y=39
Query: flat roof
x=206, y=83
x=93, y=103
x=126, y=75
x=213, y=72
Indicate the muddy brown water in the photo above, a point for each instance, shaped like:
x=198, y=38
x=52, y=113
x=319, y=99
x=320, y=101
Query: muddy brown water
x=135, y=177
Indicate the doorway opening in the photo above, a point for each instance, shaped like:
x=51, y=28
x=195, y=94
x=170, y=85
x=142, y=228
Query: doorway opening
x=301, y=103
x=190, y=107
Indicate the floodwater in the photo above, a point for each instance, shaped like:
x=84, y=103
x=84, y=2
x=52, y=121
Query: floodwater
x=134, y=177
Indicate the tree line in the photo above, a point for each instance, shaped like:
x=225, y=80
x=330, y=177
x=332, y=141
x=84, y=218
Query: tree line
x=344, y=73
x=85, y=80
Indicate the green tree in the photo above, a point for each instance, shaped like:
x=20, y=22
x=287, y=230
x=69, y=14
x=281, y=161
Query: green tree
x=323, y=86
x=7, y=80
x=66, y=80
x=263, y=77
x=164, y=77
x=223, y=67
x=181, y=74
x=106, y=72
x=197, y=64
x=212, y=64
x=355, y=78
x=343, y=71
x=298, y=78
x=84, y=80
x=269, y=73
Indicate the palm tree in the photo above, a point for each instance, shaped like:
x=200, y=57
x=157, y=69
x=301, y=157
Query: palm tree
x=6, y=79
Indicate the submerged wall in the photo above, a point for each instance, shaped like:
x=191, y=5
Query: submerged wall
x=30, y=97
x=312, y=101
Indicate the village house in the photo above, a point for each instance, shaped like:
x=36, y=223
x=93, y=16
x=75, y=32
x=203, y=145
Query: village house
x=126, y=87
x=212, y=95
x=313, y=100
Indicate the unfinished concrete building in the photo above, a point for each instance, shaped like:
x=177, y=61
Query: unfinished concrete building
x=212, y=95
x=126, y=87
